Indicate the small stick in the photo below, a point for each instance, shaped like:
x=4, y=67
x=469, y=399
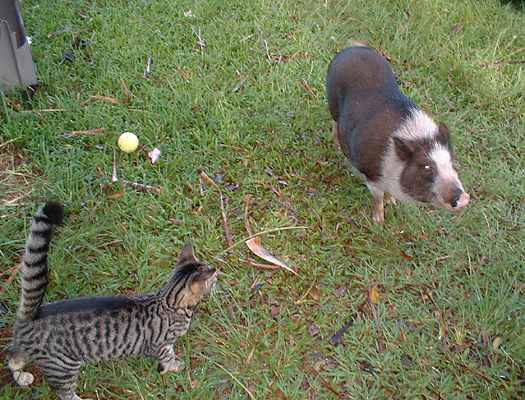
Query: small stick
x=380, y=339
x=340, y=332
x=182, y=74
x=225, y=220
x=114, y=178
x=59, y=32
x=95, y=131
x=126, y=90
x=499, y=64
x=45, y=110
x=322, y=380
x=142, y=186
x=13, y=201
x=246, y=220
x=305, y=86
x=267, y=51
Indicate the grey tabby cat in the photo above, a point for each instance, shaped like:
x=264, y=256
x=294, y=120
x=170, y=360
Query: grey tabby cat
x=60, y=336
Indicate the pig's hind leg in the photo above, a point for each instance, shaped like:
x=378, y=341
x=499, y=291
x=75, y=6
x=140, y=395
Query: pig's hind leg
x=335, y=133
x=378, y=208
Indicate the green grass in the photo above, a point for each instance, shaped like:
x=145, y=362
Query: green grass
x=450, y=286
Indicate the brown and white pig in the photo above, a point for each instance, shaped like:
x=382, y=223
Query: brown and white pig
x=397, y=146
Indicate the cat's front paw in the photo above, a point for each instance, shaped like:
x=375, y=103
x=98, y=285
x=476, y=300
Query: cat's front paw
x=23, y=378
x=172, y=366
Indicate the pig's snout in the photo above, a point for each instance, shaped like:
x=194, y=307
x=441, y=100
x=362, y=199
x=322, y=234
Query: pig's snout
x=459, y=200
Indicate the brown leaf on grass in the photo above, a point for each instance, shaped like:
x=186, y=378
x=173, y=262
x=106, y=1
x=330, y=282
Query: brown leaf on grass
x=254, y=244
x=456, y=29
x=339, y=292
x=315, y=293
x=280, y=395
x=406, y=256
x=373, y=297
x=116, y=196
x=12, y=271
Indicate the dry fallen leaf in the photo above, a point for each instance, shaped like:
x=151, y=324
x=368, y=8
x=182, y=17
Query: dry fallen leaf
x=315, y=293
x=497, y=343
x=374, y=296
x=254, y=244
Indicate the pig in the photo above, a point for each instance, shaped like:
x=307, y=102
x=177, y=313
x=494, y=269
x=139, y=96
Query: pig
x=399, y=149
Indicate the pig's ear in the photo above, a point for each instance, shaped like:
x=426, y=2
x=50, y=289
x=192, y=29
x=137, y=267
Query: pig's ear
x=443, y=130
x=404, y=148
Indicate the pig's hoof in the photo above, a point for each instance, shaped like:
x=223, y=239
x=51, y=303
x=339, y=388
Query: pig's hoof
x=390, y=201
x=378, y=219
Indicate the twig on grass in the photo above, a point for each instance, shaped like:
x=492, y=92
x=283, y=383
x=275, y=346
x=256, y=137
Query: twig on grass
x=45, y=110
x=142, y=186
x=374, y=313
x=229, y=373
x=126, y=90
x=65, y=29
x=304, y=85
x=115, y=101
x=95, y=131
x=335, y=339
x=225, y=220
x=181, y=72
x=322, y=380
x=13, y=201
x=501, y=63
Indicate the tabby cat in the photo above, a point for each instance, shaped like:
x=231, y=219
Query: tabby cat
x=60, y=336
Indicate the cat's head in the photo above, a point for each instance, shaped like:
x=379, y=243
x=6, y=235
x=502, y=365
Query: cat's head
x=191, y=280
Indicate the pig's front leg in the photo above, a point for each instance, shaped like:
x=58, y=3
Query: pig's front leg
x=378, y=208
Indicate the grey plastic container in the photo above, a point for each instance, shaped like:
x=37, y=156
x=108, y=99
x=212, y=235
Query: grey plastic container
x=16, y=64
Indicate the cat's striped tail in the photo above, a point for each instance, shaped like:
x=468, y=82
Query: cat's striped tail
x=34, y=262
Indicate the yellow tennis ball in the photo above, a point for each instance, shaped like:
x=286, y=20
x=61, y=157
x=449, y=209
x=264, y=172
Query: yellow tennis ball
x=128, y=142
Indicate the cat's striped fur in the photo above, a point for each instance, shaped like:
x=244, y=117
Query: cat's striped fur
x=60, y=336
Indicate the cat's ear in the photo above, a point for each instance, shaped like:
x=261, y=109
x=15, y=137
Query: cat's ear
x=202, y=281
x=187, y=254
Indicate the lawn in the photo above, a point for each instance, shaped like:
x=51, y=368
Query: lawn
x=428, y=306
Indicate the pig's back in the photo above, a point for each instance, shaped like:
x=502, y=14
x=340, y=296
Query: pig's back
x=365, y=100
x=357, y=73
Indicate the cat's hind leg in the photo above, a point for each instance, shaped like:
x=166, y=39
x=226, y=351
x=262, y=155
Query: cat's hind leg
x=22, y=378
x=61, y=375
x=168, y=360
